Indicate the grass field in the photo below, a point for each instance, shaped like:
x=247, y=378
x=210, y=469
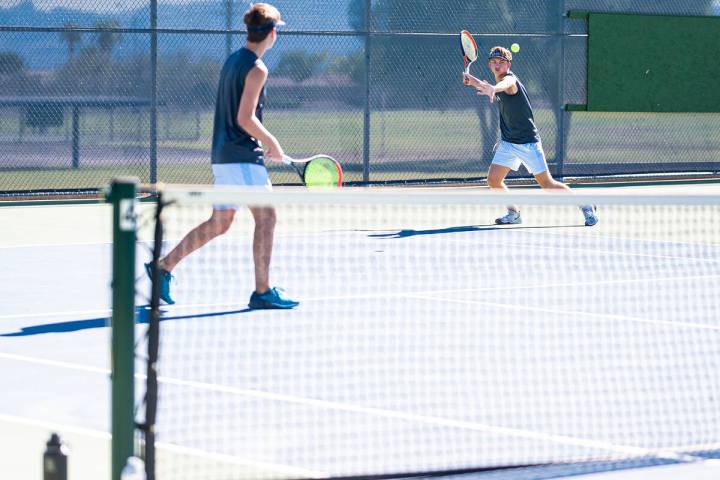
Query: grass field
x=403, y=144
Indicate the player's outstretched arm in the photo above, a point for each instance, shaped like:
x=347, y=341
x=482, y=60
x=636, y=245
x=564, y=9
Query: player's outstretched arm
x=486, y=89
x=507, y=85
x=471, y=80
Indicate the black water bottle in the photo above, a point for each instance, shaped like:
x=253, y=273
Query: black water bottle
x=55, y=460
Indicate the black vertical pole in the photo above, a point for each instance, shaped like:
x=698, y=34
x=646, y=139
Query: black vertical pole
x=75, y=136
x=560, y=107
x=153, y=93
x=228, y=27
x=153, y=336
x=366, y=120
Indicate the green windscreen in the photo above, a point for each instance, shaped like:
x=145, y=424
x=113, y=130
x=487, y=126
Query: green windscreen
x=653, y=63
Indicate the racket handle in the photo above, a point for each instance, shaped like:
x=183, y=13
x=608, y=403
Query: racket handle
x=286, y=160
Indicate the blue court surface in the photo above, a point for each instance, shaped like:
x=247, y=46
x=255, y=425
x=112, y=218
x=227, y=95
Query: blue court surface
x=425, y=341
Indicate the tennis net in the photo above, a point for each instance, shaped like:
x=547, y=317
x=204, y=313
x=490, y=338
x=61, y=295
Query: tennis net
x=430, y=339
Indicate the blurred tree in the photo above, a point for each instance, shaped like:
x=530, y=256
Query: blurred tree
x=87, y=74
x=13, y=79
x=11, y=64
x=106, y=38
x=299, y=65
x=185, y=82
x=72, y=38
x=352, y=65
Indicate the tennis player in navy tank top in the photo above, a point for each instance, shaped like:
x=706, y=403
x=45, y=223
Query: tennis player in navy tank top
x=520, y=141
x=238, y=158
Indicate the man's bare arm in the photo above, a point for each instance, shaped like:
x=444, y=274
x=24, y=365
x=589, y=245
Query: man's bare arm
x=507, y=85
x=254, y=82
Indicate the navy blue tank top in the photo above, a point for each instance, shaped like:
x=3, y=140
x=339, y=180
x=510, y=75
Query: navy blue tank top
x=517, y=123
x=230, y=143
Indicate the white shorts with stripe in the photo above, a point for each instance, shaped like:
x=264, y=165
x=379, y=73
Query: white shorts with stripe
x=512, y=155
x=240, y=175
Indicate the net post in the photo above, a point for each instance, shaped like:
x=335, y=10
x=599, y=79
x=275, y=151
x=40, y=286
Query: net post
x=122, y=196
x=153, y=347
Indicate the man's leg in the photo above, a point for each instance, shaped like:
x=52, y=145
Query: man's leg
x=262, y=245
x=265, y=296
x=496, y=177
x=546, y=181
x=218, y=223
x=496, y=181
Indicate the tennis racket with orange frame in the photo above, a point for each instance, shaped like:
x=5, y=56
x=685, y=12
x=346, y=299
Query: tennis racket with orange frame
x=317, y=171
x=469, y=51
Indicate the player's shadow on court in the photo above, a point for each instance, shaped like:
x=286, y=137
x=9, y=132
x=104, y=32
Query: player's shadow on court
x=142, y=316
x=463, y=229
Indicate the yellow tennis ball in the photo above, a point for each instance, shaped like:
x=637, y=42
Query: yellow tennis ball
x=515, y=48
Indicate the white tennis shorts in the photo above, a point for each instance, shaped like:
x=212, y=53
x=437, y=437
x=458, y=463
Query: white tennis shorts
x=240, y=175
x=512, y=155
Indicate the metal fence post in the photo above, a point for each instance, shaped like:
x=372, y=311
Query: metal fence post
x=366, y=117
x=560, y=127
x=154, y=88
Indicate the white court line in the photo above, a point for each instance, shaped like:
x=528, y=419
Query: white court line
x=385, y=413
x=603, y=316
x=698, y=448
x=54, y=363
x=194, y=306
x=580, y=251
x=602, y=235
x=345, y=297
x=31, y=422
x=148, y=243
x=230, y=459
x=57, y=314
x=173, y=308
x=169, y=447
x=435, y=421
x=46, y=245
x=579, y=248
x=513, y=288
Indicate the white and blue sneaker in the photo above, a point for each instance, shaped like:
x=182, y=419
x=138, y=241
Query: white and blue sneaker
x=511, y=218
x=590, y=215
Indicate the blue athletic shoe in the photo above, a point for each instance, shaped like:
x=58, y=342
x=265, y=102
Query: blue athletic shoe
x=165, y=278
x=590, y=215
x=271, y=299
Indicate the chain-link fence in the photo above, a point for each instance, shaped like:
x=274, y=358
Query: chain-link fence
x=88, y=92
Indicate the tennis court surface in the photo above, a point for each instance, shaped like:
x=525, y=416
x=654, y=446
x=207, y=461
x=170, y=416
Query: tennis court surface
x=428, y=338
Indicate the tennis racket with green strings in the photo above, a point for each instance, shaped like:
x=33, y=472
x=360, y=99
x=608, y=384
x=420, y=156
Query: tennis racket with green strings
x=469, y=50
x=317, y=171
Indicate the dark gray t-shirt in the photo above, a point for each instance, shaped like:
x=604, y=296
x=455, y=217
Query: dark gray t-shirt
x=230, y=143
x=517, y=124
